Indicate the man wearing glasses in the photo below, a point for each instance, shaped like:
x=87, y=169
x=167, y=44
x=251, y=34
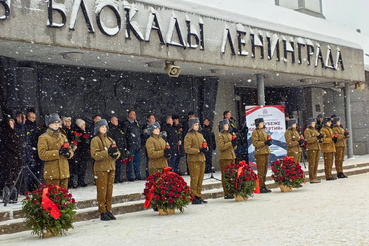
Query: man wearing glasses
x=53, y=148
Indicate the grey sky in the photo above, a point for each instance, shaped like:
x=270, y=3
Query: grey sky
x=352, y=13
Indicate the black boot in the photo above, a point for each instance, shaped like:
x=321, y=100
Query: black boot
x=196, y=200
x=330, y=179
x=111, y=216
x=264, y=190
x=104, y=216
x=203, y=201
x=341, y=176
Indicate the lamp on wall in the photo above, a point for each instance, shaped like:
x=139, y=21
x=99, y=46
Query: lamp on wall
x=171, y=69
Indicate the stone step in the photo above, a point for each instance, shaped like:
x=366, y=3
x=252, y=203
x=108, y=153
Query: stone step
x=11, y=221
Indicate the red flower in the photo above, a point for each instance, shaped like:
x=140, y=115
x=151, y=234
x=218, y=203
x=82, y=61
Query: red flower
x=161, y=186
x=28, y=193
x=86, y=135
x=184, y=198
x=185, y=191
x=65, y=204
x=57, y=204
x=275, y=170
x=174, y=188
x=70, y=195
x=170, y=200
x=164, y=198
x=166, y=188
x=34, y=192
x=177, y=196
x=179, y=189
x=163, y=192
x=73, y=201
x=75, y=142
x=35, y=201
x=170, y=194
x=28, y=198
x=58, y=198
x=157, y=197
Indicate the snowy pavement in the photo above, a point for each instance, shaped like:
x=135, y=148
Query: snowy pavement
x=329, y=213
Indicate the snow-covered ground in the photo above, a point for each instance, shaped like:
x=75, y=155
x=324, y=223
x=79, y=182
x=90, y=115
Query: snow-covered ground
x=329, y=213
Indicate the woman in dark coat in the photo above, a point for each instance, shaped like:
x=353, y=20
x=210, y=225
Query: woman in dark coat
x=11, y=161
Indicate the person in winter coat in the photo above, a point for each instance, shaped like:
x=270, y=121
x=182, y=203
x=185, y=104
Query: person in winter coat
x=328, y=148
x=195, y=158
x=34, y=162
x=208, y=133
x=156, y=150
x=68, y=132
x=172, y=140
x=262, y=151
x=52, y=150
x=179, y=130
x=133, y=136
x=293, y=141
x=11, y=158
x=313, y=139
x=105, y=152
x=242, y=144
x=150, y=120
x=226, y=146
x=340, y=146
x=120, y=138
x=82, y=153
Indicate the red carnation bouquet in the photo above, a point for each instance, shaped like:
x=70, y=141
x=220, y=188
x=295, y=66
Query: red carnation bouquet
x=76, y=140
x=48, y=210
x=240, y=180
x=287, y=172
x=167, y=190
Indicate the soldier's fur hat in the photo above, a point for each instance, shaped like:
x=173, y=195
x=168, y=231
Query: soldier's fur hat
x=193, y=121
x=290, y=122
x=222, y=123
x=335, y=119
x=51, y=118
x=258, y=121
x=99, y=124
x=326, y=120
x=311, y=120
x=151, y=128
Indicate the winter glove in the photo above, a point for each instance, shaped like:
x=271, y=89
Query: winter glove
x=268, y=142
x=74, y=148
x=64, y=152
x=204, y=150
x=334, y=139
x=346, y=134
x=301, y=142
x=320, y=136
x=114, y=155
x=234, y=142
x=112, y=150
x=166, y=152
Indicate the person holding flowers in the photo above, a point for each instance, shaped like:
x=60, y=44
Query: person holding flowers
x=226, y=144
x=53, y=148
x=293, y=141
x=82, y=153
x=104, y=151
x=313, y=138
x=328, y=148
x=342, y=135
x=156, y=150
x=195, y=148
x=261, y=143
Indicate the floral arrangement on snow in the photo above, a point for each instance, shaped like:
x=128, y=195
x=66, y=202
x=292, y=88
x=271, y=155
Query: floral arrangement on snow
x=49, y=210
x=287, y=172
x=240, y=180
x=167, y=190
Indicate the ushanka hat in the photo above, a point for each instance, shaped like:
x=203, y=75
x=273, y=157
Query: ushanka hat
x=152, y=127
x=335, y=119
x=99, y=124
x=290, y=122
x=51, y=118
x=222, y=123
x=311, y=120
x=193, y=121
x=326, y=120
x=258, y=121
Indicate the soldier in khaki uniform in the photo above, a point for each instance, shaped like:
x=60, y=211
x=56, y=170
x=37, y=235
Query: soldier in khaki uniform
x=50, y=149
x=313, y=138
x=195, y=158
x=293, y=141
x=340, y=146
x=262, y=151
x=226, y=147
x=105, y=152
x=328, y=148
x=156, y=150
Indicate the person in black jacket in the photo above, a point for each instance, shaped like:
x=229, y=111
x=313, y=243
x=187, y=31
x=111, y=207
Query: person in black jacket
x=172, y=140
x=133, y=137
x=82, y=153
x=150, y=120
x=319, y=123
x=11, y=161
x=208, y=133
x=34, y=162
x=116, y=133
x=232, y=128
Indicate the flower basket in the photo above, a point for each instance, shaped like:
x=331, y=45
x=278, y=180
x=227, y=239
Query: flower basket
x=287, y=173
x=240, y=180
x=285, y=188
x=166, y=191
x=48, y=211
